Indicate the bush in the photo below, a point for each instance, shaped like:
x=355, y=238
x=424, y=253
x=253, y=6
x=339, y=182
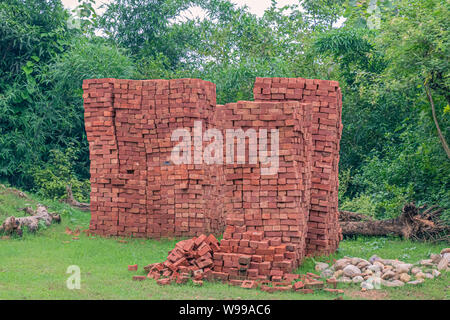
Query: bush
x=52, y=178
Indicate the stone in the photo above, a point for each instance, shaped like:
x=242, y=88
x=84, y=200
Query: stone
x=435, y=258
x=375, y=268
x=388, y=275
x=351, y=271
x=373, y=258
x=436, y=273
x=358, y=279
x=415, y=270
x=355, y=261
x=416, y=282
x=405, y=277
x=367, y=273
x=320, y=266
x=443, y=264
x=426, y=262
x=391, y=262
x=338, y=273
x=327, y=273
x=363, y=264
x=344, y=280
x=420, y=275
x=403, y=268
x=367, y=285
x=429, y=276
x=445, y=250
x=379, y=263
x=392, y=284
x=341, y=264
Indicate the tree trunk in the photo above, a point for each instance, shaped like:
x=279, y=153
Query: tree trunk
x=372, y=228
x=70, y=200
x=433, y=110
x=411, y=224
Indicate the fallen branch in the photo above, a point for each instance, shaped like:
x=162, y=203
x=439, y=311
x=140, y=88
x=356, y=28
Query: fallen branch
x=411, y=224
x=14, y=191
x=353, y=216
x=15, y=225
x=70, y=200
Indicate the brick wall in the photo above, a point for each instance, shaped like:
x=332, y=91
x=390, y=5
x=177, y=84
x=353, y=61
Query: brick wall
x=275, y=219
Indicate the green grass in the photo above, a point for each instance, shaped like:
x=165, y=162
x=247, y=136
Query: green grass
x=34, y=266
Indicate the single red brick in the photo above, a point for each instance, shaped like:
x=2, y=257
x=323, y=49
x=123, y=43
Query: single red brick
x=333, y=290
x=197, y=282
x=163, y=282
x=305, y=291
x=133, y=267
x=139, y=278
x=249, y=284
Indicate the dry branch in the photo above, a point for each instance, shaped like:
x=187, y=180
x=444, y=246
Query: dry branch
x=15, y=225
x=413, y=223
x=70, y=200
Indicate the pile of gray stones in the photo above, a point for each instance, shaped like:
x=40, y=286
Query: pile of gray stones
x=378, y=272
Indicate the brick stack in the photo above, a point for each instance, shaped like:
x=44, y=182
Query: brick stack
x=266, y=214
x=177, y=194
x=131, y=181
x=136, y=190
x=103, y=153
x=325, y=96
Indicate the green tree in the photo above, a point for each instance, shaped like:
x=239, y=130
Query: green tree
x=416, y=40
x=149, y=28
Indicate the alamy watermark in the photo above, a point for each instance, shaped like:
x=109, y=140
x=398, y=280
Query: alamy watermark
x=213, y=152
x=74, y=280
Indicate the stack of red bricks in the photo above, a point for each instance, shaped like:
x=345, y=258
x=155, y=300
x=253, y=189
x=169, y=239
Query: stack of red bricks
x=252, y=257
x=275, y=219
x=325, y=98
x=175, y=194
x=135, y=189
x=265, y=211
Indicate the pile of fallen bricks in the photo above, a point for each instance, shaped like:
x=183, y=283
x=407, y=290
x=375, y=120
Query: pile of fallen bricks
x=202, y=258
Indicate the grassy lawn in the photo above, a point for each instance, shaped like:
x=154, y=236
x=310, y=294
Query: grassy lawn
x=34, y=266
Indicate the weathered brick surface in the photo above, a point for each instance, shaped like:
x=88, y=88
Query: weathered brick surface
x=270, y=222
x=325, y=97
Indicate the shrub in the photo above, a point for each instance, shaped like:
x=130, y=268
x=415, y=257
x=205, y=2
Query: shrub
x=53, y=176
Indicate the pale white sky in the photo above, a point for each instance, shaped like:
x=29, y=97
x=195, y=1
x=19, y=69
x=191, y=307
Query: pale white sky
x=256, y=6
